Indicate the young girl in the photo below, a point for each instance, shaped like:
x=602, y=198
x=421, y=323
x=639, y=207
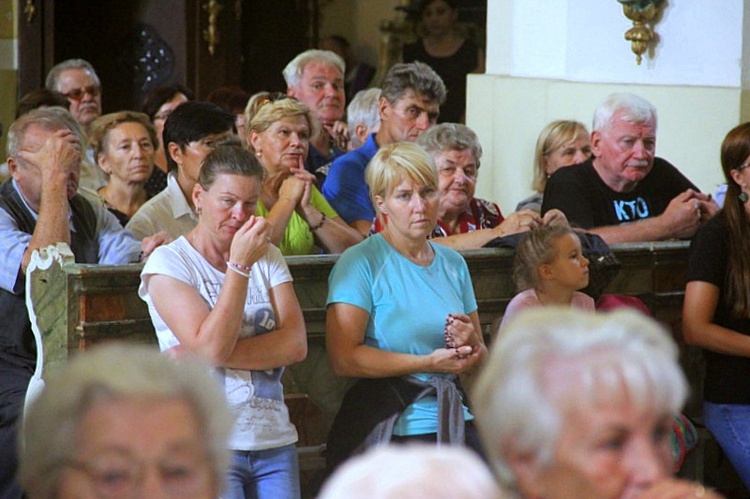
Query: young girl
x=549, y=270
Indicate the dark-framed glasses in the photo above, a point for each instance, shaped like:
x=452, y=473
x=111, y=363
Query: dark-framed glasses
x=77, y=94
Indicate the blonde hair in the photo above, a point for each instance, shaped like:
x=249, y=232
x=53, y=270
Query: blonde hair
x=101, y=127
x=552, y=137
x=395, y=163
x=266, y=108
x=536, y=249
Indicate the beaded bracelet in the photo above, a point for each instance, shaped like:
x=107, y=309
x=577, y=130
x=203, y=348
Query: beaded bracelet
x=322, y=221
x=242, y=270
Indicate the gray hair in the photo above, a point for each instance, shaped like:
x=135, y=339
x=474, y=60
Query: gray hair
x=412, y=471
x=415, y=76
x=634, y=109
x=450, y=137
x=50, y=118
x=617, y=355
x=116, y=372
x=293, y=71
x=54, y=74
x=363, y=110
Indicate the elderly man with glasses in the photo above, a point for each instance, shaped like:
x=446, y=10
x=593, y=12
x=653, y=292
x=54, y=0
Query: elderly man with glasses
x=77, y=80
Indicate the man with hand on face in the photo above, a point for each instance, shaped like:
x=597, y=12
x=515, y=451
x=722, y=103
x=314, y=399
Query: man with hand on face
x=316, y=78
x=39, y=206
x=79, y=83
x=624, y=193
x=409, y=104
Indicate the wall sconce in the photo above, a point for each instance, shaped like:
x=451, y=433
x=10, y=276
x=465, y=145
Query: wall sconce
x=642, y=13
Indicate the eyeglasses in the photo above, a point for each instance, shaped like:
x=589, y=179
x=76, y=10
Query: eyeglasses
x=743, y=166
x=116, y=474
x=77, y=94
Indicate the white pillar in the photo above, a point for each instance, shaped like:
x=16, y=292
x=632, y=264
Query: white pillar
x=558, y=59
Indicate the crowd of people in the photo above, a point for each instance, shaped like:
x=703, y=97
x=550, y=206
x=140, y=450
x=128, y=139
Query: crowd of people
x=211, y=195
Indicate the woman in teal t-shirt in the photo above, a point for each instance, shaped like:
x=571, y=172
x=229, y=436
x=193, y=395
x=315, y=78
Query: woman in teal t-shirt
x=402, y=311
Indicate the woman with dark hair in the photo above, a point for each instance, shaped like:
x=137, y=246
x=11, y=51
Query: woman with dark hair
x=446, y=50
x=716, y=312
x=223, y=293
x=158, y=105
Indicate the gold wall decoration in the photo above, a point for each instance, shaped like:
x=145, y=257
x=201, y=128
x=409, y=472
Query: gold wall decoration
x=642, y=13
x=211, y=33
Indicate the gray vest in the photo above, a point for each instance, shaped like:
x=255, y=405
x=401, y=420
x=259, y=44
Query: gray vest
x=15, y=330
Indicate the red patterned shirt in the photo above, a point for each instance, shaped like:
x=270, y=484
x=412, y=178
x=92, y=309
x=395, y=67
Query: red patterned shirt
x=480, y=214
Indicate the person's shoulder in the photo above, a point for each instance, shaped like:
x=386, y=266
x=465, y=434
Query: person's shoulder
x=449, y=254
x=581, y=171
x=486, y=204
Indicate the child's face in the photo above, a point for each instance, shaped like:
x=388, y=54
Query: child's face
x=569, y=268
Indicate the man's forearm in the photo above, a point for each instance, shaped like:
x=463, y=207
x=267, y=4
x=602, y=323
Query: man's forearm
x=52, y=225
x=649, y=229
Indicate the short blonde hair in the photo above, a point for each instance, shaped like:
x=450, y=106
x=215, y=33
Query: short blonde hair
x=101, y=127
x=395, y=163
x=553, y=136
x=266, y=108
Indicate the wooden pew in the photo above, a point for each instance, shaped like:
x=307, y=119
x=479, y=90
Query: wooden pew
x=94, y=303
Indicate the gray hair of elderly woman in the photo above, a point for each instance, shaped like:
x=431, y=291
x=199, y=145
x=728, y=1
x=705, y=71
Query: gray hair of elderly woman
x=266, y=108
x=634, y=109
x=395, y=163
x=451, y=137
x=229, y=160
x=552, y=137
x=363, y=110
x=49, y=118
x=108, y=373
x=293, y=71
x=622, y=355
x=54, y=73
x=101, y=127
x=412, y=471
x=415, y=76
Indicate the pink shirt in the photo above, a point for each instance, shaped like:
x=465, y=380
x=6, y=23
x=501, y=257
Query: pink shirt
x=529, y=299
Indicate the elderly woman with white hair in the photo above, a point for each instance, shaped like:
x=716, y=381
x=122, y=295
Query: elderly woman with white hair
x=465, y=221
x=572, y=404
x=125, y=421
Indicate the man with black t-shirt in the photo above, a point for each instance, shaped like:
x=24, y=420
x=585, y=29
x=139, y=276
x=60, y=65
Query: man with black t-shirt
x=623, y=192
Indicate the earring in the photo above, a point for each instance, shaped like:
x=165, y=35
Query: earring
x=198, y=210
x=743, y=197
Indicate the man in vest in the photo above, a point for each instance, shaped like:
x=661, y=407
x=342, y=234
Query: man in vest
x=39, y=206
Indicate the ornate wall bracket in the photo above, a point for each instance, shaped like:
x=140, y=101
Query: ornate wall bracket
x=211, y=33
x=642, y=13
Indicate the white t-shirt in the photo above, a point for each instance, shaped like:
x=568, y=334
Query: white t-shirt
x=255, y=397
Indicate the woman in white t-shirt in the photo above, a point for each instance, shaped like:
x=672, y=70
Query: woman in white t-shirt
x=223, y=293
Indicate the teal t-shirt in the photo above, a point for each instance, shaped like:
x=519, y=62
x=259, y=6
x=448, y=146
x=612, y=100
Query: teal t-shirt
x=408, y=305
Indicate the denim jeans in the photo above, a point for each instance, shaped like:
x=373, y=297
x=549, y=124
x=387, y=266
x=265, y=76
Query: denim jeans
x=730, y=425
x=264, y=474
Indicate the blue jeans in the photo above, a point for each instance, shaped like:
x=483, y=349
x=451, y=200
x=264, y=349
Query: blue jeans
x=264, y=474
x=730, y=425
